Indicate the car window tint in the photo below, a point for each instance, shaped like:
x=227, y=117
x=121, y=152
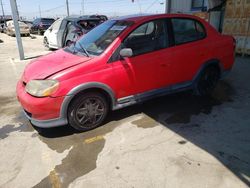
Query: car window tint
x=148, y=37
x=187, y=30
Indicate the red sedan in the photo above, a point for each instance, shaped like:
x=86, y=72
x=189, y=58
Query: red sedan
x=120, y=63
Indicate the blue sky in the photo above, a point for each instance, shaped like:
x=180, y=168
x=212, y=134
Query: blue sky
x=57, y=8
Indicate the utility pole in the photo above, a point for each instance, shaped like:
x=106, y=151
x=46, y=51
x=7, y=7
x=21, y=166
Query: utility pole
x=82, y=7
x=17, y=29
x=67, y=5
x=40, y=14
x=3, y=13
x=168, y=6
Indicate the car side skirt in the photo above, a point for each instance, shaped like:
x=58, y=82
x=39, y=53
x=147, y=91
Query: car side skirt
x=141, y=97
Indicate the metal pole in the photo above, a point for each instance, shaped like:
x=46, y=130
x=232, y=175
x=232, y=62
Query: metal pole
x=40, y=11
x=17, y=30
x=3, y=13
x=82, y=7
x=67, y=5
x=17, y=10
x=168, y=6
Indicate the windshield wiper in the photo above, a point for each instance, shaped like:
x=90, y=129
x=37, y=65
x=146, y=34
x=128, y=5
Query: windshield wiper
x=85, y=51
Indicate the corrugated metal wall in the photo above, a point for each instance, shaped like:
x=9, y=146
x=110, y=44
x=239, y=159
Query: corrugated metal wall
x=237, y=23
x=182, y=6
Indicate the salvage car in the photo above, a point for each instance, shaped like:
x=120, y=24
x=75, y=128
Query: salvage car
x=122, y=62
x=10, y=29
x=65, y=31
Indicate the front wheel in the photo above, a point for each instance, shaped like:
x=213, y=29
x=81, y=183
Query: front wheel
x=207, y=81
x=46, y=43
x=88, y=111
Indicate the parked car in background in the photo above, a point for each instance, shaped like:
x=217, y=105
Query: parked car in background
x=10, y=29
x=122, y=62
x=40, y=25
x=29, y=23
x=65, y=31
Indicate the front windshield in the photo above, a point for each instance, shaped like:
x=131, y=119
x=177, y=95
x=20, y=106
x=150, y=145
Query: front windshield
x=99, y=38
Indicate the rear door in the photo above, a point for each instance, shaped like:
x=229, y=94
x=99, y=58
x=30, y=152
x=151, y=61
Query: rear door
x=191, y=48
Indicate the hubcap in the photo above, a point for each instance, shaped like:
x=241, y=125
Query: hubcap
x=90, y=112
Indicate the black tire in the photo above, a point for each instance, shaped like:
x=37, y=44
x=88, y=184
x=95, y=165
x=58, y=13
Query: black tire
x=207, y=81
x=87, y=111
x=46, y=43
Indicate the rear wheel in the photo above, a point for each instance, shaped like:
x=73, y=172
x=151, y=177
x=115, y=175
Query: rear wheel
x=88, y=111
x=207, y=81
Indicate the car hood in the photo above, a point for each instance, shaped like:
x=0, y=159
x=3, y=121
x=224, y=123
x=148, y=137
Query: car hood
x=50, y=64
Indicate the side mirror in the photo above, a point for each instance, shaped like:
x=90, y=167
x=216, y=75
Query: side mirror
x=126, y=52
x=50, y=29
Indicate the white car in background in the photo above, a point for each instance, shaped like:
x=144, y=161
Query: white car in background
x=65, y=31
x=10, y=29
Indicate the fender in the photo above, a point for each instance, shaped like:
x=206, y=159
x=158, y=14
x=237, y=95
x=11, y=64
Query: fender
x=205, y=65
x=90, y=85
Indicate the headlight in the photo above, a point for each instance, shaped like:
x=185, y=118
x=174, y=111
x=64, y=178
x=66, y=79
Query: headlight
x=41, y=88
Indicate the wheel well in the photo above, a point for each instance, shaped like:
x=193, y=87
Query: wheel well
x=210, y=63
x=97, y=90
x=216, y=65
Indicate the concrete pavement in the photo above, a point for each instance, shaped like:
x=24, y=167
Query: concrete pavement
x=173, y=141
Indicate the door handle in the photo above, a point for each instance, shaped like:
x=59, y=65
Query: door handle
x=163, y=65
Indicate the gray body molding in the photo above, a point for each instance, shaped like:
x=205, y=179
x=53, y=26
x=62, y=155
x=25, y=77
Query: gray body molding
x=82, y=87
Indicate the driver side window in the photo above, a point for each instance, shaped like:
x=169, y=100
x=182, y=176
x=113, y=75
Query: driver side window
x=148, y=37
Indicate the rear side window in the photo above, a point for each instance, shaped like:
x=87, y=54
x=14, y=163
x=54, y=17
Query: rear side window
x=36, y=21
x=56, y=24
x=187, y=30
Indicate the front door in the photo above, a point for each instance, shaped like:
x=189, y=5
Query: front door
x=140, y=72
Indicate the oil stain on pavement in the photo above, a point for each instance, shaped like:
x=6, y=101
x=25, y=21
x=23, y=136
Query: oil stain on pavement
x=82, y=156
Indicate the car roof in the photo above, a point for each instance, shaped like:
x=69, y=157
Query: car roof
x=140, y=17
x=77, y=18
x=46, y=18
